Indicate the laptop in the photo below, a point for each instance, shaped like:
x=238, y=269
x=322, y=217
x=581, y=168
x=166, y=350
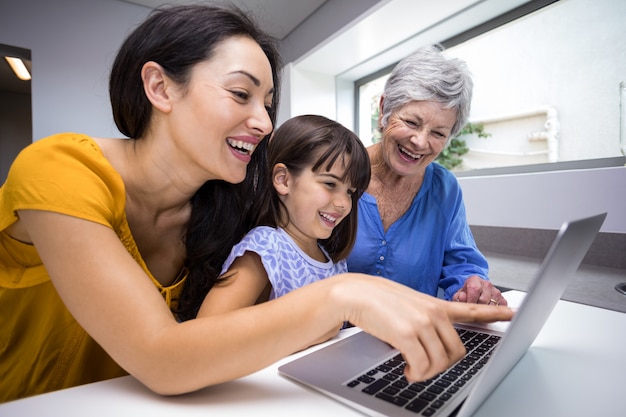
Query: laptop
x=366, y=373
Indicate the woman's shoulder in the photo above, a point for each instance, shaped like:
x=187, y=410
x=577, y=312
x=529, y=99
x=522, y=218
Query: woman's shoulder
x=67, y=150
x=65, y=173
x=63, y=142
x=443, y=176
x=67, y=156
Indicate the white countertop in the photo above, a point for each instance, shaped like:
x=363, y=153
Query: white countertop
x=575, y=367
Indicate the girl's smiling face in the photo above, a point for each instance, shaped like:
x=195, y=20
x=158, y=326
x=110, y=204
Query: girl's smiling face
x=315, y=201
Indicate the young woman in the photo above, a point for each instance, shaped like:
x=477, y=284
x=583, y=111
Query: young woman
x=107, y=246
x=306, y=215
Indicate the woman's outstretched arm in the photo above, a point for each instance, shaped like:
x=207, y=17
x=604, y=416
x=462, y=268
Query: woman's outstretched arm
x=118, y=305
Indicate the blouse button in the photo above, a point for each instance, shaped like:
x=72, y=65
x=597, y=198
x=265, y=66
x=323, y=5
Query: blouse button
x=382, y=258
x=384, y=242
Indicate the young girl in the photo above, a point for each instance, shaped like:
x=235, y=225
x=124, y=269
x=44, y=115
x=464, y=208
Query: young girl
x=307, y=215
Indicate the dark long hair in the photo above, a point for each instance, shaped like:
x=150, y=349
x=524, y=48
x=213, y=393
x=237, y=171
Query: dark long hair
x=315, y=142
x=177, y=38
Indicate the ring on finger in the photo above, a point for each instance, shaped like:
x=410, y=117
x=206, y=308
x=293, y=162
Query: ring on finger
x=492, y=301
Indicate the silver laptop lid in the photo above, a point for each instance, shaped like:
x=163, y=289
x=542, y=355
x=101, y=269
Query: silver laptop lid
x=555, y=273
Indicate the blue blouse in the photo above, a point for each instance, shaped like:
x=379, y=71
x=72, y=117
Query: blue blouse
x=430, y=246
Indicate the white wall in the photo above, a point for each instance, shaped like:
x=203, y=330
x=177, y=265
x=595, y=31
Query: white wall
x=545, y=200
x=72, y=43
x=317, y=90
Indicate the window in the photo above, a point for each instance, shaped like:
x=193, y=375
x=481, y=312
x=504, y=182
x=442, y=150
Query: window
x=369, y=98
x=547, y=85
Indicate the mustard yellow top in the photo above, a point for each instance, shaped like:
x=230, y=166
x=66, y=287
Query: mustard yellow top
x=42, y=347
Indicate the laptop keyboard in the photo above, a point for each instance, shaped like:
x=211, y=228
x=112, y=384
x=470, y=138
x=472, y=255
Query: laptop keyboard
x=387, y=381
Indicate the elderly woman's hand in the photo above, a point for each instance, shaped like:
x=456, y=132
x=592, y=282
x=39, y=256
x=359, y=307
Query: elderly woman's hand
x=479, y=291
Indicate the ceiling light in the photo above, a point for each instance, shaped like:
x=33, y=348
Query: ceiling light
x=18, y=67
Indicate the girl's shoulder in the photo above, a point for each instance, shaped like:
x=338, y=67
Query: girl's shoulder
x=263, y=238
x=267, y=240
x=263, y=232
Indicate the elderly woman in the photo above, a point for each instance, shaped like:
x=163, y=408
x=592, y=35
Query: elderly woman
x=412, y=223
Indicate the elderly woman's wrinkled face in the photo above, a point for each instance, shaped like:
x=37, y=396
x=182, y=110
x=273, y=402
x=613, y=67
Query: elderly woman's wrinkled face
x=415, y=135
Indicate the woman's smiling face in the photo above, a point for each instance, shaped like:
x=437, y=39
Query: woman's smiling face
x=415, y=135
x=222, y=114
